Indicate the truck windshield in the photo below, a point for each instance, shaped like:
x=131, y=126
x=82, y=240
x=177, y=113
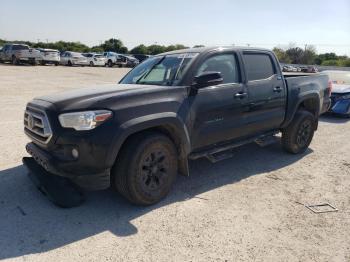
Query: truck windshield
x=160, y=70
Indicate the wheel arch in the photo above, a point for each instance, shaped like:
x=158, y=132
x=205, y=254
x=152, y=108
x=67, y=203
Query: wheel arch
x=309, y=102
x=167, y=124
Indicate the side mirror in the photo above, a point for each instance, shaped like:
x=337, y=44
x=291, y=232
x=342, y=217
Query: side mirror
x=209, y=78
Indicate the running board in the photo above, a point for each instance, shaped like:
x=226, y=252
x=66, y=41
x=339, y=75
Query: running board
x=218, y=153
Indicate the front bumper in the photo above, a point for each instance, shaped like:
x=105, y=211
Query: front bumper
x=80, y=175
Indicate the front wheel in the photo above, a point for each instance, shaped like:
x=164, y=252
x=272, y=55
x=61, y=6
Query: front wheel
x=110, y=63
x=146, y=168
x=297, y=137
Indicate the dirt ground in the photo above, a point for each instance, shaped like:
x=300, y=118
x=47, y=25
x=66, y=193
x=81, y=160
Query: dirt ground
x=240, y=209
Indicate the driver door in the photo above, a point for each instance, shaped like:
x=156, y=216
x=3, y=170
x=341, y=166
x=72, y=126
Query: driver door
x=218, y=111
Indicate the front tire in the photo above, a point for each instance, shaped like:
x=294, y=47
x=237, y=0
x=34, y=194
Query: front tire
x=297, y=137
x=91, y=63
x=146, y=168
x=70, y=63
x=110, y=63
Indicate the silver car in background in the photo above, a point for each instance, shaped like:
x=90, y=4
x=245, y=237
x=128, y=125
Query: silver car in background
x=49, y=56
x=73, y=58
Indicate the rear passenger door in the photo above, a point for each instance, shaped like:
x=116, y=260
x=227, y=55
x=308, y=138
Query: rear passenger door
x=266, y=92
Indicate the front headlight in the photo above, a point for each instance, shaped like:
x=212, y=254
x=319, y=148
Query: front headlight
x=84, y=120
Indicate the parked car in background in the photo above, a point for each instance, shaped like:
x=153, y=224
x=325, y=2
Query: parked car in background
x=73, y=58
x=18, y=53
x=303, y=69
x=49, y=56
x=112, y=59
x=141, y=57
x=128, y=61
x=312, y=69
x=95, y=59
x=340, y=81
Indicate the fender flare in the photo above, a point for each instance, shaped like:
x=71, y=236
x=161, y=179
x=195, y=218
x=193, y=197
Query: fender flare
x=138, y=124
x=301, y=99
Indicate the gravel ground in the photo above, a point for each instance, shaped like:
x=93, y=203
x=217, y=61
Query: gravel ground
x=240, y=209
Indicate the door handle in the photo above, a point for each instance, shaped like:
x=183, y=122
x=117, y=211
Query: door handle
x=277, y=89
x=240, y=95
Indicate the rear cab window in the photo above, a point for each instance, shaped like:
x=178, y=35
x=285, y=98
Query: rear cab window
x=258, y=66
x=20, y=47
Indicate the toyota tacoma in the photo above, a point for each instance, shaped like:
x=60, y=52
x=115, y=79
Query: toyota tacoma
x=136, y=136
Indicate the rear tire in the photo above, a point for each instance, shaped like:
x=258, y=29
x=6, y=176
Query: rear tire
x=297, y=137
x=70, y=63
x=110, y=63
x=14, y=60
x=146, y=168
x=91, y=63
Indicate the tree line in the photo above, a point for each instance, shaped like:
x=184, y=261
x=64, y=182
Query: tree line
x=290, y=55
x=308, y=55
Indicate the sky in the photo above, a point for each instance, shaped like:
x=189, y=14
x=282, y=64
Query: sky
x=262, y=23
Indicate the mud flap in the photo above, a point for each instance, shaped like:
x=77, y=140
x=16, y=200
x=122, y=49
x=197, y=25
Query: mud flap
x=59, y=190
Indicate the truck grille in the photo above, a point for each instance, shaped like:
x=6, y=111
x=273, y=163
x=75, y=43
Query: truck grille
x=36, y=125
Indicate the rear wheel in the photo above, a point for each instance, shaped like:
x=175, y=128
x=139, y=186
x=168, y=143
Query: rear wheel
x=91, y=63
x=70, y=63
x=297, y=137
x=14, y=60
x=110, y=63
x=146, y=168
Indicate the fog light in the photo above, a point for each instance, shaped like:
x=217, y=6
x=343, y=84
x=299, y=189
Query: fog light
x=75, y=153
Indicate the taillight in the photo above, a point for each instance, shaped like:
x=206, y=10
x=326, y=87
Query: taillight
x=330, y=87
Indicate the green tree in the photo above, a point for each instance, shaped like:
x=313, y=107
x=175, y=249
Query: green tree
x=282, y=55
x=114, y=45
x=332, y=62
x=309, y=55
x=156, y=49
x=295, y=55
x=140, y=49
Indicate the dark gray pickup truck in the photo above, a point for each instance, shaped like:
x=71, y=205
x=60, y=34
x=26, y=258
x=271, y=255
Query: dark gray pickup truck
x=136, y=136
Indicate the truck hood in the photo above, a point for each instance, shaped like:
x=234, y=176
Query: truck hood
x=340, y=89
x=89, y=97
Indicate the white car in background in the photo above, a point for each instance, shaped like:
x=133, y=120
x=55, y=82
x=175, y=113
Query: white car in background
x=49, y=56
x=95, y=59
x=18, y=53
x=73, y=58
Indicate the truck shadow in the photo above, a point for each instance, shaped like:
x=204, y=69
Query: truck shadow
x=333, y=119
x=30, y=224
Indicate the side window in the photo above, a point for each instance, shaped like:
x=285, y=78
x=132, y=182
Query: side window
x=226, y=64
x=258, y=66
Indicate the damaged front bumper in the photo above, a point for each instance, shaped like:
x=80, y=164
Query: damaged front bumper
x=84, y=178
